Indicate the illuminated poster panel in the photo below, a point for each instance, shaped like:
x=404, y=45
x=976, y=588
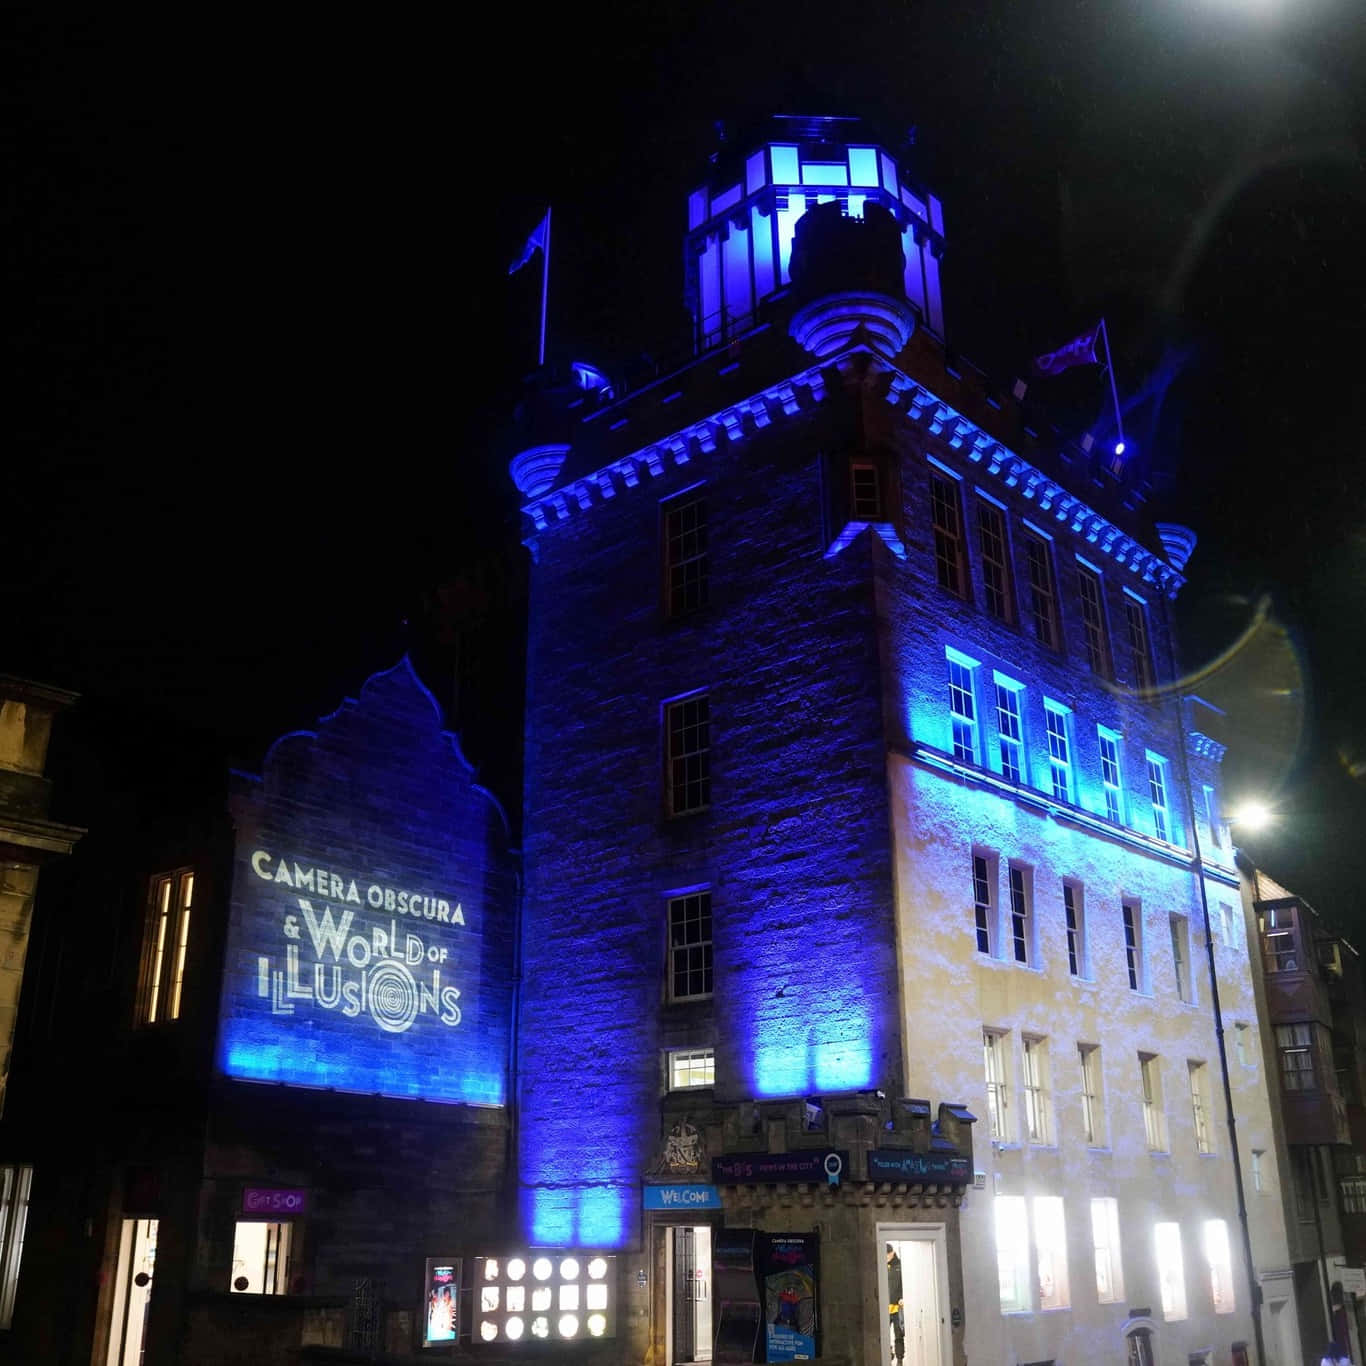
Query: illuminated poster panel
x=442, y=1314
x=788, y=1266
x=544, y=1296
x=369, y=942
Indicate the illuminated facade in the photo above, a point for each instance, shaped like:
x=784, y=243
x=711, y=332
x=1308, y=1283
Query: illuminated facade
x=845, y=785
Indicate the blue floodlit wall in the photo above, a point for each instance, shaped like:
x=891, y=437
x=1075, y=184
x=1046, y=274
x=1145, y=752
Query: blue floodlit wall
x=794, y=848
x=370, y=939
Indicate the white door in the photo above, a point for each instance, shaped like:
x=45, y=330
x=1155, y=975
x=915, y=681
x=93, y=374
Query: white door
x=915, y=1328
x=132, y=1291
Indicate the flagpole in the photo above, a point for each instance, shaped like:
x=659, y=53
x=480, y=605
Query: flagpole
x=545, y=285
x=1114, y=393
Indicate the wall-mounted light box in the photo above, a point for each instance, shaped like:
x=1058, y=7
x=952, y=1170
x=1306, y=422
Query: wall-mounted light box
x=544, y=1296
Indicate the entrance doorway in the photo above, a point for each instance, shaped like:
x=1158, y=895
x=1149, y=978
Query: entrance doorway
x=689, y=1282
x=132, y=1291
x=914, y=1278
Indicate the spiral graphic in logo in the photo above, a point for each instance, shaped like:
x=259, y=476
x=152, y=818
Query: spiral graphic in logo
x=393, y=997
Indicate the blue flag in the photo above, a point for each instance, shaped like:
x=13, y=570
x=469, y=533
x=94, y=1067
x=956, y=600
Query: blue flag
x=535, y=241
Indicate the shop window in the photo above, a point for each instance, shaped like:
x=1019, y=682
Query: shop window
x=1171, y=1271
x=260, y=1258
x=1106, y=1246
x=1050, y=1248
x=1012, y=1253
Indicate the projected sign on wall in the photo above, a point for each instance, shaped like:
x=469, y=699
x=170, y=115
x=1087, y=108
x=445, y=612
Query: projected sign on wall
x=369, y=944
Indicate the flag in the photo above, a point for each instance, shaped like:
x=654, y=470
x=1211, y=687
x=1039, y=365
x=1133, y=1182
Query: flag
x=535, y=241
x=1079, y=351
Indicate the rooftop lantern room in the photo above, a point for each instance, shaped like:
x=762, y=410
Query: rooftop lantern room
x=741, y=223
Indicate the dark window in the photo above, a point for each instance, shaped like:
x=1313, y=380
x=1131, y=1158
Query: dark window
x=1140, y=651
x=991, y=540
x=688, y=725
x=1132, y=954
x=690, y=955
x=948, y=535
x=1092, y=595
x=981, y=894
x=865, y=494
x=685, y=554
x=1074, y=929
x=1043, y=593
x=1019, y=915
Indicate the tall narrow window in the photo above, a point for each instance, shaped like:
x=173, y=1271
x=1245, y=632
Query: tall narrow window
x=1240, y=1044
x=1199, y=1107
x=1154, y=1131
x=865, y=494
x=991, y=541
x=1171, y=1271
x=690, y=946
x=1295, y=1043
x=963, y=707
x=1043, y=592
x=949, y=560
x=1036, y=1090
x=1012, y=1253
x=998, y=1097
x=1050, y=1247
x=687, y=725
x=1021, y=931
x=686, y=565
x=1057, y=721
x=1110, y=779
x=1105, y=1240
x=1088, y=1055
x=981, y=895
x=1074, y=916
x=1226, y=924
x=1220, y=1261
x=1258, y=1180
x=1133, y=943
x=1010, y=729
x=15, y=1183
x=1091, y=593
x=1140, y=651
x=1157, y=790
x=167, y=943
x=1180, y=968
x=1212, y=817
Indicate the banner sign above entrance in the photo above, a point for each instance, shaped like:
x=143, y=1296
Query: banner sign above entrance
x=891, y=1164
x=266, y=1201
x=820, y=1165
x=688, y=1195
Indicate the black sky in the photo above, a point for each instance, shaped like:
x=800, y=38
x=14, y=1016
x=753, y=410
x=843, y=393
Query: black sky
x=261, y=343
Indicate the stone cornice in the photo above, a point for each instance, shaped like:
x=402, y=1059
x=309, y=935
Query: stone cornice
x=1204, y=747
x=995, y=463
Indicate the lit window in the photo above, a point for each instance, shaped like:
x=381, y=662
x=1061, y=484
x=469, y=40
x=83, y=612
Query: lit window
x=1088, y=1055
x=1171, y=1271
x=1105, y=1241
x=167, y=941
x=687, y=725
x=690, y=946
x=1258, y=1180
x=1074, y=916
x=963, y=708
x=1132, y=917
x=1056, y=720
x=1295, y=1043
x=1020, y=930
x=1009, y=729
x=1110, y=775
x=1157, y=789
x=686, y=565
x=1220, y=1265
x=1012, y=1253
x=691, y=1067
x=1140, y=652
x=998, y=1099
x=991, y=541
x=15, y=1184
x=260, y=1258
x=1036, y=1090
x=1153, y=1128
x=1199, y=1107
x=1180, y=967
x=948, y=535
x=866, y=497
x=981, y=893
x=1091, y=592
x=1277, y=927
x=1050, y=1247
x=1043, y=593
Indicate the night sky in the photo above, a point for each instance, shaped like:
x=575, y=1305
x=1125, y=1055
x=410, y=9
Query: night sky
x=261, y=345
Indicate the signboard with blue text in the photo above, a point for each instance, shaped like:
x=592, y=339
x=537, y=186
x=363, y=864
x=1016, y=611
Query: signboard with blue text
x=370, y=936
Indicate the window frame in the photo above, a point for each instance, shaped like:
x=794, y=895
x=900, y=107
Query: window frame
x=863, y=508
x=1074, y=923
x=686, y=576
x=1288, y=1046
x=1170, y=1269
x=1179, y=929
x=1150, y=1094
x=1045, y=613
x=1158, y=792
x=1108, y=743
x=702, y=944
x=1010, y=731
x=689, y=1058
x=984, y=919
x=1105, y=1210
x=965, y=729
x=1021, y=1301
x=1092, y=1095
x=993, y=548
x=1020, y=880
x=1131, y=922
x=677, y=774
x=1225, y=1303
x=946, y=522
x=1050, y=1252
x=1095, y=627
x=16, y=1192
x=1058, y=729
x=1035, y=1090
x=1140, y=642
x=1200, y=1116
x=161, y=981
x=996, y=1072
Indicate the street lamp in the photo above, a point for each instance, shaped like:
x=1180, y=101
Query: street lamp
x=1252, y=815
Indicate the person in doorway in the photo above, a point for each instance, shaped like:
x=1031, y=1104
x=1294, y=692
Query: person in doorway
x=894, y=1304
x=1335, y=1355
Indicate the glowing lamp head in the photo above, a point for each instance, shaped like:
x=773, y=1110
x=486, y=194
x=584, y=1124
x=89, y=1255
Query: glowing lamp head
x=1119, y=448
x=569, y=1325
x=1252, y=815
x=541, y=1268
x=516, y=1269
